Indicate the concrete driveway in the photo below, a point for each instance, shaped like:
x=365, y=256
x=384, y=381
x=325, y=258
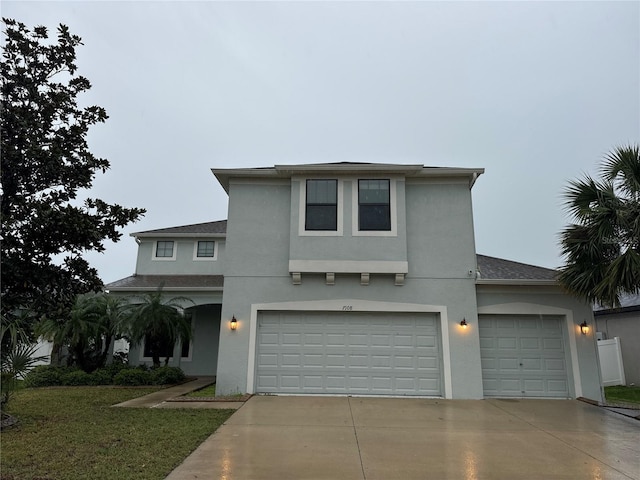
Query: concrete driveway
x=343, y=438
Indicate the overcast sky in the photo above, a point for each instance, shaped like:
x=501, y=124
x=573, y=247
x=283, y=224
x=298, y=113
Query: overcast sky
x=534, y=92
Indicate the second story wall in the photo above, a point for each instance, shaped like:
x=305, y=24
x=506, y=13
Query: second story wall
x=167, y=255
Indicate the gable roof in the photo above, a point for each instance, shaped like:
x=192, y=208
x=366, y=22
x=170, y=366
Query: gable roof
x=218, y=228
x=492, y=268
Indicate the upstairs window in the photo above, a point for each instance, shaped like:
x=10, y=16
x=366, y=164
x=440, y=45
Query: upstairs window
x=321, y=209
x=205, y=249
x=164, y=249
x=374, y=205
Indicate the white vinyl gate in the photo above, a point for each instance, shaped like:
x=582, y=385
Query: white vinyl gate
x=348, y=353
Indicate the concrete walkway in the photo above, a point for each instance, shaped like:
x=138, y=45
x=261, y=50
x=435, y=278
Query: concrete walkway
x=349, y=438
x=161, y=398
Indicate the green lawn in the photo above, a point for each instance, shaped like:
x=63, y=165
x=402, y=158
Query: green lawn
x=69, y=433
x=621, y=394
x=209, y=391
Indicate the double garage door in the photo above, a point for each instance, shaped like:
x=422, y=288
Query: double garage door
x=523, y=356
x=348, y=353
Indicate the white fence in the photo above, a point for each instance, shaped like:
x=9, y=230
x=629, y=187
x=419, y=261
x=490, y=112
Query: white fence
x=611, y=365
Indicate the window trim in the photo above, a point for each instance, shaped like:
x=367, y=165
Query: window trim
x=302, y=216
x=393, y=209
x=154, y=251
x=196, y=258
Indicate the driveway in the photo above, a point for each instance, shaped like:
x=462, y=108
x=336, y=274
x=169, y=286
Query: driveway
x=343, y=438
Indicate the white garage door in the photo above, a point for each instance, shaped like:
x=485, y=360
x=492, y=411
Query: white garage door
x=348, y=353
x=523, y=356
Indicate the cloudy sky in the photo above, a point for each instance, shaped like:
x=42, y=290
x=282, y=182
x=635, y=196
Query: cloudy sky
x=534, y=92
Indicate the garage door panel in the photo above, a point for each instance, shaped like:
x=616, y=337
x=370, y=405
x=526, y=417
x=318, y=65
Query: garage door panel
x=349, y=353
x=523, y=356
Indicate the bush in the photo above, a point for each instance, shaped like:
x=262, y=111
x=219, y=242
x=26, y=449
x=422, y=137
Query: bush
x=102, y=376
x=45, y=376
x=167, y=375
x=76, y=378
x=132, y=377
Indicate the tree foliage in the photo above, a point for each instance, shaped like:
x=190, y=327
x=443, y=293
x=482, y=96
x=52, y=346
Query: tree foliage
x=88, y=332
x=157, y=321
x=602, y=247
x=46, y=164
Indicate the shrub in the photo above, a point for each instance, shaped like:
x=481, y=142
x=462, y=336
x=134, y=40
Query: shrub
x=45, y=376
x=167, y=375
x=102, y=376
x=132, y=377
x=75, y=378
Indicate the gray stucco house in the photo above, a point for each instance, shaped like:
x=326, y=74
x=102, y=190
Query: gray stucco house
x=363, y=279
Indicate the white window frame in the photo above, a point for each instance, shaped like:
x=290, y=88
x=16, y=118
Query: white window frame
x=154, y=250
x=196, y=258
x=302, y=216
x=393, y=209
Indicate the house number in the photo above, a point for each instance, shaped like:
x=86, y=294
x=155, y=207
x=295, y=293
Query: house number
x=347, y=308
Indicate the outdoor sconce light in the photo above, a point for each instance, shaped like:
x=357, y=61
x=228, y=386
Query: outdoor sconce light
x=234, y=323
x=464, y=323
x=584, y=328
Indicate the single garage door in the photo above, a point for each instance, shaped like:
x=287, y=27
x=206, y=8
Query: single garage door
x=523, y=356
x=348, y=353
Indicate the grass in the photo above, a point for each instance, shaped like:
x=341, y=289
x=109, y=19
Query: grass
x=622, y=395
x=69, y=433
x=209, y=391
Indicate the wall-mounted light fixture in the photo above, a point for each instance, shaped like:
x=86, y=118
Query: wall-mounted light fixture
x=233, y=324
x=464, y=323
x=584, y=328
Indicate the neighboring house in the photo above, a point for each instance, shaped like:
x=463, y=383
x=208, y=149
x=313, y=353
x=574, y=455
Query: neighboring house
x=623, y=322
x=363, y=279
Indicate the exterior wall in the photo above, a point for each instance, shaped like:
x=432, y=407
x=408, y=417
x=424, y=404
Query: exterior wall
x=625, y=326
x=344, y=245
x=263, y=229
x=184, y=263
x=583, y=368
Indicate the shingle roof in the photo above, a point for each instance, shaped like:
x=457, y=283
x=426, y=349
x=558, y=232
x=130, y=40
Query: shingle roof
x=492, y=268
x=145, y=282
x=627, y=303
x=218, y=227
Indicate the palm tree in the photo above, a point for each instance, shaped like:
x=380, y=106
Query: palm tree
x=159, y=322
x=89, y=330
x=602, y=247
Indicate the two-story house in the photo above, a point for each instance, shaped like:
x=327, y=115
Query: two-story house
x=363, y=279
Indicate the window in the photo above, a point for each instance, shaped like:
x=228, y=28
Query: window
x=164, y=347
x=374, y=210
x=206, y=248
x=321, y=208
x=164, y=249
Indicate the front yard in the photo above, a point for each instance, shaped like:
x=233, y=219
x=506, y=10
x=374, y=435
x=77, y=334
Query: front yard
x=68, y=433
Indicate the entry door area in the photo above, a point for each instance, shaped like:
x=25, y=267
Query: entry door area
x=348, y=353
x=523, y=356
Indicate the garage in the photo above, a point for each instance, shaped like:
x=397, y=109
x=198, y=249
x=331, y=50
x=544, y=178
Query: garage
x=523, y=356
x=356, y=353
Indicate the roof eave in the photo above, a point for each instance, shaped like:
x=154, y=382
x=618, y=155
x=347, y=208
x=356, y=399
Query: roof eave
x=518, y=282
x=165, y=288
x=181, y=235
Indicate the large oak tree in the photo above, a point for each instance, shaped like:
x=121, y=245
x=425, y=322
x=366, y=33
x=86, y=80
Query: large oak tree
x=46, y=166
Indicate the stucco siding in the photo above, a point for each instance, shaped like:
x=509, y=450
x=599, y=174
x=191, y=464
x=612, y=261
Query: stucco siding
x=147, y=264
